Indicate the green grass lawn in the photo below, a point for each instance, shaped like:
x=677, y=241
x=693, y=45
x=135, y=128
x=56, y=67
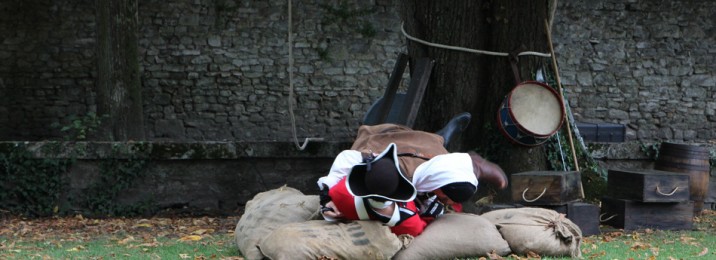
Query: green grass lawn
x=154, y=238
x=207, y=247
x=213, y=238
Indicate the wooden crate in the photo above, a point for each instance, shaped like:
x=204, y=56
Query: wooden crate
x=546, y=187
x=637, y=215
x=648, y=185
x=585, y=215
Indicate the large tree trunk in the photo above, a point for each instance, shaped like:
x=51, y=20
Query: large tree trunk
x=477, y=83
x=119, y=89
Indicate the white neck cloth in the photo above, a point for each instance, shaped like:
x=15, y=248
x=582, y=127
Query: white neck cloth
x=444, y=169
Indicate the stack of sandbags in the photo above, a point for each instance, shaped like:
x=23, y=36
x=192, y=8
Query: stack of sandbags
x=456, y=235
x=540, y=231
x=320, y=239
x=270, y=210
x=279, y=224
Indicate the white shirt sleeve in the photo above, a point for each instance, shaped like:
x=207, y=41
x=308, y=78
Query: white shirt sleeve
x=444, y=169
x=341, y=167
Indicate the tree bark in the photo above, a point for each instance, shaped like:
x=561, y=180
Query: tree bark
x=478, y=83
x=119, y=89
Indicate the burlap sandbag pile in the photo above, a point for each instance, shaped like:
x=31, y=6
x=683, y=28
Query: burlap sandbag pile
x=320, y=239
x=538, y=230
x=269, y=210
x=286, y=224
x=456, y=235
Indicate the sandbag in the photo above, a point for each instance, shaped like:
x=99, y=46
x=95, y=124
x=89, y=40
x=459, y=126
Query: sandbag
x=456, y=235
x=320, y=239
x=268, y=210
x=542, y=231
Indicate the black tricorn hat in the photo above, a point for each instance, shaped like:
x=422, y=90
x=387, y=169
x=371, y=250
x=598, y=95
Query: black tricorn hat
x=381, y=178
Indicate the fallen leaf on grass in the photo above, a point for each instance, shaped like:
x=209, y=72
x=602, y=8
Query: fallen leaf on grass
x=75, y=249
x=689, y=240
x=493, y=255
x=635, y=236
x=703, y=252
x=4, y=246
x=146, y=225
x=203, y=231
x=531, y=254
x=611, y=235
x=190, y=238
x=639, y=245
x=654, y=251
x=597, y=255
x=126, y=240
x=183, y=256
x=145, y=245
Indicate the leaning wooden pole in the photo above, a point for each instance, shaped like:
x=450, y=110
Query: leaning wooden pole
x=561, y=93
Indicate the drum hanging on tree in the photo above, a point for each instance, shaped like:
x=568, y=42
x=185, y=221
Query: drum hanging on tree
x=531, y=113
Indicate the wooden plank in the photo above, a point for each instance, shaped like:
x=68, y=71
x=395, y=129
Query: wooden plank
x=393, y=83
x=416, y=90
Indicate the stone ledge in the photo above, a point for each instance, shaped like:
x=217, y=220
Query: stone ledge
x=632, y=150
x=175, y=150
x=218, y=177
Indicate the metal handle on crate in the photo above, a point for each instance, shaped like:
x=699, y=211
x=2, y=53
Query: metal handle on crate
x=666, y=194
x=603, y=220
x=540, y=196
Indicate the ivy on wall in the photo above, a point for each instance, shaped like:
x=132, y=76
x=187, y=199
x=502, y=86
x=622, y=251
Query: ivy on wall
x=31, y=186
x=38, y=186
x=115, y=176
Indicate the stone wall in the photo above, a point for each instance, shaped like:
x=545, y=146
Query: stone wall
x=218, y=69
x=211, y=69
x=47, y=65
x=649, y=65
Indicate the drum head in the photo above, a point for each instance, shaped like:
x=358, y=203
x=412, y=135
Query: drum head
x=536, y=108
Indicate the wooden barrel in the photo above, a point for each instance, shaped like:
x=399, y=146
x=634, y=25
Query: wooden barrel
x=690, y=159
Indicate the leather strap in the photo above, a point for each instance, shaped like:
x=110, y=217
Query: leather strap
x=368, y=156
x=417, y=155
x=515, y=71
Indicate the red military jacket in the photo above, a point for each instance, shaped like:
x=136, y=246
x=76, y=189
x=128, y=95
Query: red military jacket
x=354, y=208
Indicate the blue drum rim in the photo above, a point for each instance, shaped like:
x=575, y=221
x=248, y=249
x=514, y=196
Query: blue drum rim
x=514, y=139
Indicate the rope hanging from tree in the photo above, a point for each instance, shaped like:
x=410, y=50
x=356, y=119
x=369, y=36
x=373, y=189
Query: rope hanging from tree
x=290, y=84
x=456, y=48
